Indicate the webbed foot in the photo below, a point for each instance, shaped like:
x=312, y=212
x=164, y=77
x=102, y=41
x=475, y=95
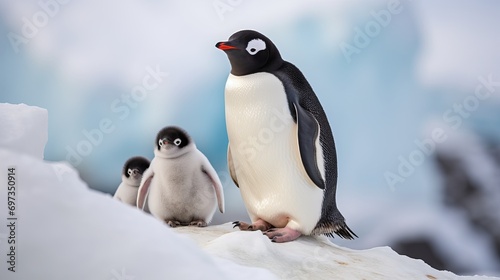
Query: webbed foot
x=280, y=235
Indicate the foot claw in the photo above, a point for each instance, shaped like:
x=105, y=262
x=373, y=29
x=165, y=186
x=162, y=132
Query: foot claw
x=242, y=225
x=257, y=225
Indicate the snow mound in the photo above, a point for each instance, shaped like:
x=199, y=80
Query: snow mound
x=311, y=257
x=23, y=128
x=64, y=230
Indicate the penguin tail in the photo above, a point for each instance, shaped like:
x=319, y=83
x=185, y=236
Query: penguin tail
x=328, y=228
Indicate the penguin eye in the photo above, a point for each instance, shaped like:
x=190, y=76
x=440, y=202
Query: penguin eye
x=255, y=46
x=160, y=142
x=177, y=141
x=129, y=171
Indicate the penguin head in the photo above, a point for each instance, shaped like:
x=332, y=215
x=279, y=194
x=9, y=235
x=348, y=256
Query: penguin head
x=134, y=168
x=173, y=141
x=250, y=52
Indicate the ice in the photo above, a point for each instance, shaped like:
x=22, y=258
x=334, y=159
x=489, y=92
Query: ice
x=23, y=128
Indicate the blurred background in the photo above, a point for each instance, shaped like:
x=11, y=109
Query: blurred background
x=411, y=89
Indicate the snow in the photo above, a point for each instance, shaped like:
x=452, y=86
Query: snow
x=311, y=257
x=64, y=230
x=67, y=231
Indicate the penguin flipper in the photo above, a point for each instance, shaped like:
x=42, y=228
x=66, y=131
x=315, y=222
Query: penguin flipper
x=308, y=136
x=302, y=103
x=230, y=165
x=144, y=187
x=216, y=183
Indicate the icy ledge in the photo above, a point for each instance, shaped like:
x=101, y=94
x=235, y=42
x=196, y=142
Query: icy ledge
x=310, y=257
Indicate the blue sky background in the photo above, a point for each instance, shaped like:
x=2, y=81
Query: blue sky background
x=85, y=57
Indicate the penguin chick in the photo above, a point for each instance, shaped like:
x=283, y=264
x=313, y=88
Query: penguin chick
x=281, y=151
x=131, y=179
x=180, y=187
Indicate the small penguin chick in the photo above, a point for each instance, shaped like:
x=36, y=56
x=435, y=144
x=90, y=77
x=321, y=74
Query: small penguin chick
x=181, y=187
x=131, y=178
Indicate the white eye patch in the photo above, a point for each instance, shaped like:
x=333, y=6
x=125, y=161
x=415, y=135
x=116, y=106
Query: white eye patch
x=177, y=142
x=131, y=171
x=255, y=46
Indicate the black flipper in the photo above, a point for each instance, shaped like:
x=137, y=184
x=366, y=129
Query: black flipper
x=308, y=133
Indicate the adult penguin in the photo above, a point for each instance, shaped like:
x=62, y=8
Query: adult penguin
x=281, y=151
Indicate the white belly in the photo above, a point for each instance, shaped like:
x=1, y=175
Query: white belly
x=180, y=191
x=264, y=146
x=126, y=193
